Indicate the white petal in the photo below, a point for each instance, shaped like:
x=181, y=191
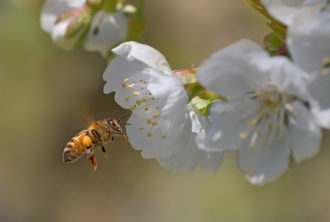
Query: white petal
x=134, y=51
x=154, y=140
x=58, y=36
x=106, y=31
x=265, y=164
x=186, y=156
x=133, y=81
x=308, y=39
x=230, y=72
x=283, y=10
x=304, y=133
x=285, y=75
x=286, y=10
x=323, y=118
x=309, y=44
x=229, y=125
x=53, y=8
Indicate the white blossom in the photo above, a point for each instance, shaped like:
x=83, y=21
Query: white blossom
x=286, y=10
x=105, y=31
x=308, y=40
x=267, y=114
x=161, y=122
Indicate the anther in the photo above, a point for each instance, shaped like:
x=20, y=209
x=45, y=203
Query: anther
x=164, y=136
x=149, y=134
x=136, y=93
x=156, y=115
x=324, y=72
x=125, y=80
x=242, y=136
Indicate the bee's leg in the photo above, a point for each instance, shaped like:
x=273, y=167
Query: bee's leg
x=93, y=161
x=104, y=151
x=89, y=152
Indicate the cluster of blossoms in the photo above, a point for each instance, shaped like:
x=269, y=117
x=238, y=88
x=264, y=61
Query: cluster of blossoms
x=267, y=104
x=97, y=25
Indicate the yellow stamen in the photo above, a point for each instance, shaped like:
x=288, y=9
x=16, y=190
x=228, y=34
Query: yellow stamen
x=164, y=136
x=324, y=72
x=125, y=80
x=242, y=136
x=141, y=128
x=123, y=85
x=149, y=121
x=146, y=109
x=149, y=134
x=154, y=123
x=156, y=115
x=130, y=86
x=223, y=113
x=127, y=98
x=325, y=60
x=136, y=93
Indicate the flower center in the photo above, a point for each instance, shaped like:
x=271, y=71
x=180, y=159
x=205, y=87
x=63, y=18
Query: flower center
x=274, y=108
x=142, y=101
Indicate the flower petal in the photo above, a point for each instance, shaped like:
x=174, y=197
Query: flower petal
x=283, y=10
x=53, y=8
x=229, y=125
x=265, y=164
x=323, y=118
x=186, y=156
x=308, y=39
x=309, y=45
x=58, y=34
x=229, y=72
x=304, y=133
x=134, y=51
x=106, y=31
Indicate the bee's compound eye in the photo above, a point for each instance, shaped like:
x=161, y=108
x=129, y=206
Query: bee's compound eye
x=87, y=141
x=110, y=122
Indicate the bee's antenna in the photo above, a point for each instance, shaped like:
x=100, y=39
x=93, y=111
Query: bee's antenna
x=125, y=117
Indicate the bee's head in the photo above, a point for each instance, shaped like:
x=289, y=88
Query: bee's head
x=115, y=127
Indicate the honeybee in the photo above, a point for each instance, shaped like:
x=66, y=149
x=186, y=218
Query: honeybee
x=98, y=134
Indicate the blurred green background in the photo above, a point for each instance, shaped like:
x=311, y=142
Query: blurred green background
x=47, y=95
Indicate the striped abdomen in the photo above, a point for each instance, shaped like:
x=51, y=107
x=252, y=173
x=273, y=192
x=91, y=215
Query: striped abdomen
x=77, y=146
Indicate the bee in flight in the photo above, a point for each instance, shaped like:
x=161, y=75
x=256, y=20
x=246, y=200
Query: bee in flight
x=98, y=134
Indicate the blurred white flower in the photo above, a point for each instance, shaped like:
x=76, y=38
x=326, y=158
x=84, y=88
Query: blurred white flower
x=161, y=121
x=71, y=21
x=308, y=40
x=268, y=113
x=285, y=10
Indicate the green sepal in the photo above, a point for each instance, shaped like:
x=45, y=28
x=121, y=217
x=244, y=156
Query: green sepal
x=110, y=6
x=77, y=24
x=272, y=42
x=193, y=90
x=95, y=5
x=277, y=28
